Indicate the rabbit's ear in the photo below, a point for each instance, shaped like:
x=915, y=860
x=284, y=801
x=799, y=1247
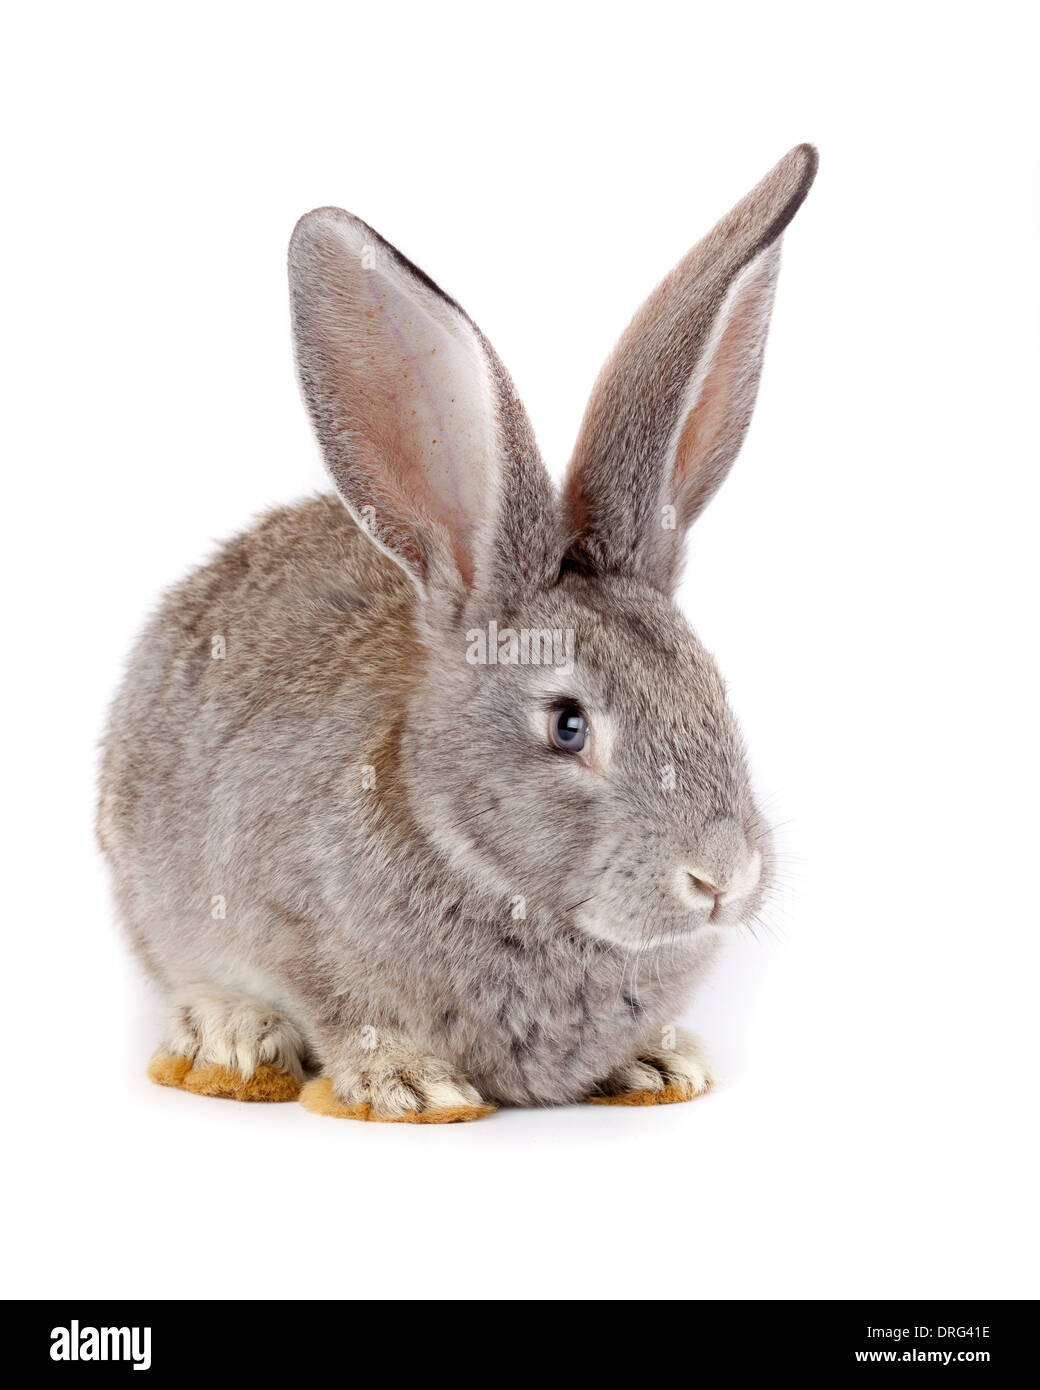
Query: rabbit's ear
x=671, y=407
x=420, y=425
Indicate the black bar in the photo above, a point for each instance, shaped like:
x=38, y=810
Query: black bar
x=273, y=1338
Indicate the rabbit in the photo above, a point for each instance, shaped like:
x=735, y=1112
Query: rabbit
x=422, y=797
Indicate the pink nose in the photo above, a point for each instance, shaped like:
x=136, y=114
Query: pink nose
x=701, y=888
x=701, y=884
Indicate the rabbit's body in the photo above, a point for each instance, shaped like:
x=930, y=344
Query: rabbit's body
x=254, y=857
x=431, y=785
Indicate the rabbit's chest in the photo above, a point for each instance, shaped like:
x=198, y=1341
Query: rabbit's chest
x=542, y=1028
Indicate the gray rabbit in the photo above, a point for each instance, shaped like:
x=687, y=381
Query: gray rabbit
x=427, y=787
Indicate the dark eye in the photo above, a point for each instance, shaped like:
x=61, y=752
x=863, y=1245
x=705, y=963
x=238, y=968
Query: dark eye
x=568, y=729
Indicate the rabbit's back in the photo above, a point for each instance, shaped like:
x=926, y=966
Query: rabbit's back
x=264, y=674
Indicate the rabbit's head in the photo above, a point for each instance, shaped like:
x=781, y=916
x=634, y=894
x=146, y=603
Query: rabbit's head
x=569, y=745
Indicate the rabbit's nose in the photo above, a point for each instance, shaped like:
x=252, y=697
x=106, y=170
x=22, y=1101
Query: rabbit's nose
x=702, y=888
x=702, y=885
x=699, y=890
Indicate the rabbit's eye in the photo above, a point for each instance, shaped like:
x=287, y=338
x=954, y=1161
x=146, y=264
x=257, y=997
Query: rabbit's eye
x=568, y=729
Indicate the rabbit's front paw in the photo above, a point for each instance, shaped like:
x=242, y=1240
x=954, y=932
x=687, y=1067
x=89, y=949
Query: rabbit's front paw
x=408, y=1089
x=671, y=1069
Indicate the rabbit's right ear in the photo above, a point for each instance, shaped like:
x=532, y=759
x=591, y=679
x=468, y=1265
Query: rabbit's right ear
x=420, y=426
x=671, y=407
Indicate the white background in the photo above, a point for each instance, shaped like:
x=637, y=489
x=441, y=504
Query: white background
x=866, y=578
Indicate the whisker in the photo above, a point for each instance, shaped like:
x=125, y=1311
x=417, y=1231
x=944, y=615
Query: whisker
x=475, y=814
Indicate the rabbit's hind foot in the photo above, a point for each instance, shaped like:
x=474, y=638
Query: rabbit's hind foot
x=665, y=1073
x=265, y=1084
x=223, y=1043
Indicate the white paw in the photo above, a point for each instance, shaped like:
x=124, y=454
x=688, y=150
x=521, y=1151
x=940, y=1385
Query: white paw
x=234, y=1031
x=674, y=1058
x=401, y=1082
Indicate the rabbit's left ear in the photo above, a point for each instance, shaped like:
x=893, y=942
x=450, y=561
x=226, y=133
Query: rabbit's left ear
x=418, y=420
x=671, y=407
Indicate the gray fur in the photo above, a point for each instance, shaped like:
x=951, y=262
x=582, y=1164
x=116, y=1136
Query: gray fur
x=252, y=855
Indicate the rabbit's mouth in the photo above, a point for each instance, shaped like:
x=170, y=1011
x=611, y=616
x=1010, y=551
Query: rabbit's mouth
x=720, y=893
x=647, y=938
x=699, y=899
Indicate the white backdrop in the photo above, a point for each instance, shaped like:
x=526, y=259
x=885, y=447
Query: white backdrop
x=867, y=579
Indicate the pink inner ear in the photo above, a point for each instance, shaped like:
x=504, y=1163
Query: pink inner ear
x=413, y=389
x=724, y=387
